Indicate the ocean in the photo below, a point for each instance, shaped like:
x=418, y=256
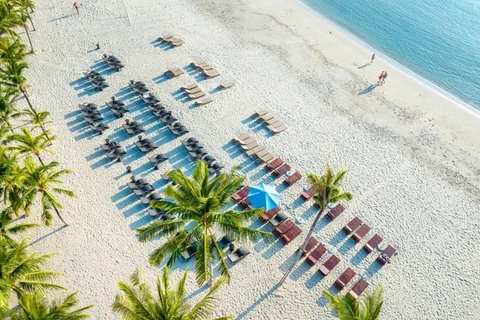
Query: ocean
x=438, y=40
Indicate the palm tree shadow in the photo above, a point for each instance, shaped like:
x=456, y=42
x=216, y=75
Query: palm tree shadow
x=257, y=302
x=46, y=235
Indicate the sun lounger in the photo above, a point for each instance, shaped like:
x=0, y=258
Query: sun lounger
x=177, y=43
x=174, y=72
x=211, y=73
x=290, y=235
x=88, y=106
x=247, y=140
x=189, y=86
x=237, y=253
x=197, y=95
x=154, y=212
x=193, y=91
x=278, y=219
x=266, y=116
x=209, y=160
x=190, y=252
x=284, y=227
x=241, y=138
x=329, y=265
x=292, y=179
x=311, y=244
x=358, y=288
x=264, y=158
x=267, y=215
x=352, y=225
x=190, y=140
x=274, y=164
x=316, y=255
x=249, y=146
x=242, y=193
x=277, y=128
x=245, y=203
x=345, y=278
x=360, y=233
x=373, y=243
x=140, y=190
x=223, y=242
x=306, y=195
x=225, y=85
x=258, y=150
x=99, y=128
x=165, y=38
x=204, y=101
x=206, y=67
x=271, y=121
x=215, y=168
x=145, y=199
x=198, y=64
x=335, y=212
x=389, y=252
x=258, y=114
x=284, y=168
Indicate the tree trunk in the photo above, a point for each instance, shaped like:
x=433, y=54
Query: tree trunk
x=31, y=21
x=299, y=253
x=58, y=214
x=29, y=39
x=40, y=159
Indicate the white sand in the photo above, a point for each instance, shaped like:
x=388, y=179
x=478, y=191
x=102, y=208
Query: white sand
x=413, y=155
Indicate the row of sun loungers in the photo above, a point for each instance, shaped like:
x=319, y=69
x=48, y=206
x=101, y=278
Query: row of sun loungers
x=96, y=80
x=91, y=115
x=206, y=69
x=113, y=62
x=172, y=40
x=273, y=124
x=113, y=150
x=194, y=92
x=198, y=151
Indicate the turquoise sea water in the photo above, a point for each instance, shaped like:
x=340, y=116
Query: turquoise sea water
x=437, y=39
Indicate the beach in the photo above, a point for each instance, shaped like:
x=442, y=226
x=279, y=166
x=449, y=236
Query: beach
x=412, y=154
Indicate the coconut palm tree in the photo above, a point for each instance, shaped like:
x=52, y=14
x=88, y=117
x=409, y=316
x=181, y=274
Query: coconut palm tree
x=197, y=203
x=137, y=301
x=40, y=180
x=37, y=119
x=6, y=227
x=8, y=19
x=327, y=191
x=35, y=306
x=11, y=48
x=12, y=177
x=349, y=308
x=28, y=143
x=7, y=110
x=11, y=75
x=24, y=6
x=21, y=271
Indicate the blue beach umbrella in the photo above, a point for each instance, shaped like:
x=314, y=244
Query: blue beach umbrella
x=264, y=196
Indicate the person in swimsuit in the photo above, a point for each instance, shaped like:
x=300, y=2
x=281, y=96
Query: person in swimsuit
x=76, y=6
x=385, y=75
x=380, y=77
x=373, y=57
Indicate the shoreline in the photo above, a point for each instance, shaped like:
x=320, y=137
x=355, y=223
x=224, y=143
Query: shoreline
x=394, y=63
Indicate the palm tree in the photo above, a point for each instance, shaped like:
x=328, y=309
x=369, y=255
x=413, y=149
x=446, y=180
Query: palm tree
x=6, y=229
x=11, y=75
x=8, y=19
x=349, y=308
x=12, y=178
x=41, y=180
x=7, y=110
x=11, y=48
x=198, y=202
x=28, y=143
x=24, y=6
x=35, y=306
x=38, y=119
x=21, y=271
x=138, y=302
x=327, y=191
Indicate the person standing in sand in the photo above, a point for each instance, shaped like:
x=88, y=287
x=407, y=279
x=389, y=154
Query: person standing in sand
x=76, y=6
x=384, y=77
x=380, y=77
x=373, y=57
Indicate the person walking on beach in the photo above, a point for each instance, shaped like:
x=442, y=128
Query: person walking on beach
x=76, y=6
x=384, y=77
x=380, y=77
x=373, y=57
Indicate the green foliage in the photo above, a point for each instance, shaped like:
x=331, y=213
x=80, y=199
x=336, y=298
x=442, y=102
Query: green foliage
x=21, y=271
x=197, y=202
x=138, y=302
x=349, y=308
x=328, y=187
x=35, y=306
x=7, y=229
